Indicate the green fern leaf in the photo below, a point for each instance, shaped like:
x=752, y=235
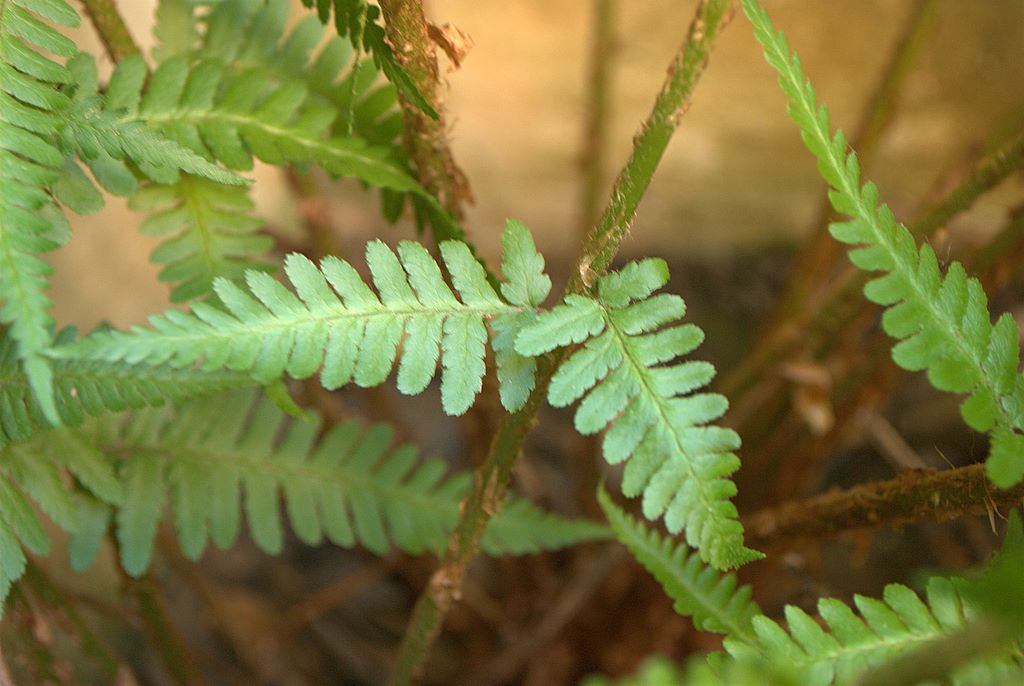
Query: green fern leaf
x=942, y=322
x=249, y=39
x=357, y=19
x=30, y=99
x=248, y=36
x=234, y=118
x=214, y=233
x=269, y=331
x=175, y=29
x=349, y=486
x=849, y=644
x=673, y=458
x=700, y=592
x=94, y=388
x=105, y=136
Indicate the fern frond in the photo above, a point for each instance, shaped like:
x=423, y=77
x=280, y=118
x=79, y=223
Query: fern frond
x=942, y=321
x=95, y=128
x=234, y=119
x=30, y=97
x=95, y=387
x=677, y=461
x=848, y=645
x=175, y=28
x=709, y=597
x=214, y=233
x=250, y=36
x=357, y=19
x=349, y=486
x=335, y=321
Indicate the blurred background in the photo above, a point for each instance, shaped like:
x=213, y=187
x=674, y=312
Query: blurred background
x=733, y=199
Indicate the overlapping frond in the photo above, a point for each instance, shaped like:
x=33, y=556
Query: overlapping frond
x=357, y=19
x=849, y=644
x=229, y=453
x=118, y=147
x=249, y=36
x=705, y=594
x=335, y=323
x=30, y=98
x=218, y=457
x=94, y=387
x=233, y=118
x=213, y=233
x=942, y=321
x=674, y=458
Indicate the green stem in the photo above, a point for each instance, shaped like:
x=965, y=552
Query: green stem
x=599, y=248
x=602, y=243
x=111, y=28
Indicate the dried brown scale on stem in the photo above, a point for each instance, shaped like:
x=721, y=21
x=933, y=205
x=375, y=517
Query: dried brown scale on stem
x=426, y=139
x=913, y=496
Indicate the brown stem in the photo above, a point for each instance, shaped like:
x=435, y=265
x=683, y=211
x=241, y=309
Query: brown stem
x=112, y=30
x=600, y=246
x=426, y=139
x=913, y=496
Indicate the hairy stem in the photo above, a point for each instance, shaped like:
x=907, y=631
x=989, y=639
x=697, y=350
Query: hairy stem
x=112, y=30
x=913, y=496
x=599, y=248
x=426, y=138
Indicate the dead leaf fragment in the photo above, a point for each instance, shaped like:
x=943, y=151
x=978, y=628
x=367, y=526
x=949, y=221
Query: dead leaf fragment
x=454, y=41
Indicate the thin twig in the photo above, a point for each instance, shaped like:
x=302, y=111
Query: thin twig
x=599, y=247
x=913, y=496
x=111, y=27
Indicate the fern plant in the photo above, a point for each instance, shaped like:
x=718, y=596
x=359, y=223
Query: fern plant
x=208, y=419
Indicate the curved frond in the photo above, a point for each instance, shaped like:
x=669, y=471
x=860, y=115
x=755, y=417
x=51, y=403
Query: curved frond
x=335, y=323
x=709, y=597
x=95, y=387
x=30, y=96
x=674, y=458
x=850, y=644
x=941, y=321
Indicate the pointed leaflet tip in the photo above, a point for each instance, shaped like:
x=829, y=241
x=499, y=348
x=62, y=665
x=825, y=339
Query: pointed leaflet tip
x=40, y=378
x=523, y=266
